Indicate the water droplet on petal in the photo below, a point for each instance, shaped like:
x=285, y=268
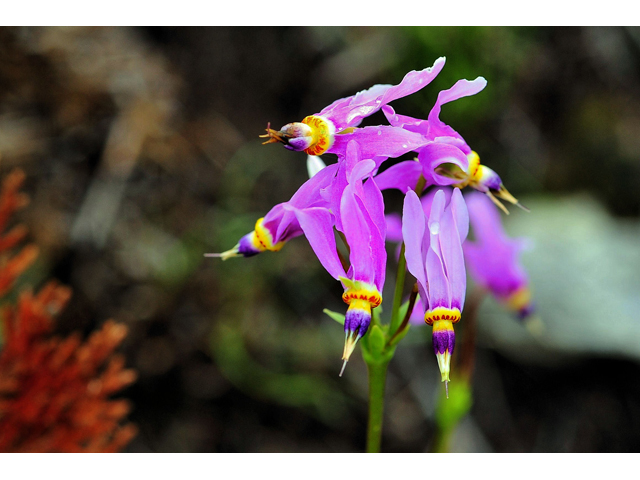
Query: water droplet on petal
x=404, y=146
x=378, y=101
x=434, y=228
x=379, y=132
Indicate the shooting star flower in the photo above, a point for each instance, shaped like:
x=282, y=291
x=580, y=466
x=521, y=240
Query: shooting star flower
x=494, y=259
x=435, y=258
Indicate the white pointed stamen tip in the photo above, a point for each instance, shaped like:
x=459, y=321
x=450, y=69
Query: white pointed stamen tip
x=497, y=202
x=526, y=209
x=446, y=388
x=349, y=346
x=344, y=365
x=224, y=255
x=535, y=326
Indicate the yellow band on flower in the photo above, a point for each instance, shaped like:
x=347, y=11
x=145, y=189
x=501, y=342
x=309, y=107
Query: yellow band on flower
x=363, y=298
x=263, y=240
x=442, y=326
x=442, y=313
x=474, y=172
x=322, y=134
x=519, y=299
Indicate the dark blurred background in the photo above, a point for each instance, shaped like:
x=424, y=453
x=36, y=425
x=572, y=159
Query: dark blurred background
x=141, y=151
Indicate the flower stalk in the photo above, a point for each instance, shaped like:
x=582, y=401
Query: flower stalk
x=377, y=381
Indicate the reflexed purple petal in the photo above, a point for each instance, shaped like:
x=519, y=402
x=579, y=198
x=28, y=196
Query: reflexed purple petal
x=413, y=231
x=349, y=112
x=359, y=235
x=336, y=190
x=360, y=171
x=403, y=121
x=379, y=142
x=394, y=227
x=378, y=256
x=433, y=224
x=437, y=209
x=281, y=222
x=370, y=203
x=317, y=224
x=375, y=205
x=438, y=283
x=434, y=154
x=288, y=228
x=401, y=176
x=427, y=200
x=438, y=287
x=451, y=248
x=413, y=81
x=349, y=167
x=455, y=141
x=460, y=214
x=462, y=88
x=340, y=109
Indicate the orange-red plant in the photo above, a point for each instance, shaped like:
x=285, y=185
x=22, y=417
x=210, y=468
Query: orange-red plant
x=54, y=392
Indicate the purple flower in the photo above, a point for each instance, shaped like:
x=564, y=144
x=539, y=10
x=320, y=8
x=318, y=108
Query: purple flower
x=433, y=250
x=394, y=221
x=280, y=225
x=360, y=217
x=331, y=130
x=493, y=259
x=447, y=159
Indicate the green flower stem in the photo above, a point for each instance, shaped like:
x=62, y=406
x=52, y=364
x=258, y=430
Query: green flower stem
x=377, y=380
x=378, y=349
x=397, y=295
x=407, y=316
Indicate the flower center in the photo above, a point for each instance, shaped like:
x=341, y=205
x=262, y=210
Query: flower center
x=322, y=132
x=441, y=313
x=474, y=172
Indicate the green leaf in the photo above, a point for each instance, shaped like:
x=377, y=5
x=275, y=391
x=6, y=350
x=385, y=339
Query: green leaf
x=338, y=317
x=377, y=340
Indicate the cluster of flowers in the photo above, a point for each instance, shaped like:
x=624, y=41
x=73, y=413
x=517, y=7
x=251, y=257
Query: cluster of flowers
x=346, y=196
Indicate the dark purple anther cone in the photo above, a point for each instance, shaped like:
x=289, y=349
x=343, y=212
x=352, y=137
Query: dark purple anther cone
x=492, y=180
x=444, y=340
x=246, y=247
x=357, y=321
x=297, y=144
x=526, y=311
